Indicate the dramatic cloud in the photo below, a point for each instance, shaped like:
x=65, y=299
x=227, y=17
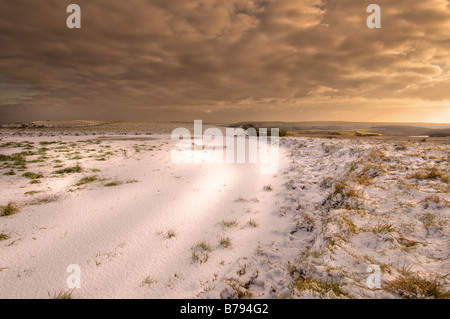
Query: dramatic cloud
x=225, y=60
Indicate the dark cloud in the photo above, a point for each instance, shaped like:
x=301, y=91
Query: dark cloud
x=225, y=60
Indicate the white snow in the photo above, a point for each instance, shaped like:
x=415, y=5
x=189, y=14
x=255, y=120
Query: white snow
x=305, y=230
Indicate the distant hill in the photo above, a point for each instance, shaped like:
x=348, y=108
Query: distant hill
x=438, y=133
x=317, y=127
x=53, y=124
x=400, y=130
x=387, y=129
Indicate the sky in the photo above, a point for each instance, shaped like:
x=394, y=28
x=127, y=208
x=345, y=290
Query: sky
x=225, y=61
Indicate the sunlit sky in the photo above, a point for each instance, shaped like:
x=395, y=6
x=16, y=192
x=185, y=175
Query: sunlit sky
x=225, y=61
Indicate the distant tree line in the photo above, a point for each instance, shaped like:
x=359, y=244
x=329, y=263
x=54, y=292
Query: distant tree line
x=282, y=133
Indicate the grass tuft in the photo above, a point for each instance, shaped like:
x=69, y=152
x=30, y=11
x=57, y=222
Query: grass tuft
x=308, y=283
x=344, y=196
x=74, y=169
x=113, y=184
x=435, y=199
x=32, y=175
x=149, y=281
x=225, y=242
x=412, y=286
x=18, y=159
x=200, y=252
x=253, y=223
x=87, y=180
x=170, y=234
x=8, y=210
x=383, y=228
x=63, y=295
x=433, y=174
x=228, y=223
x=10, y=173
x=32, y=193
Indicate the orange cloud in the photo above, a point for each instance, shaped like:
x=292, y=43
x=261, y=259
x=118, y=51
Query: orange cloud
x=224, y=60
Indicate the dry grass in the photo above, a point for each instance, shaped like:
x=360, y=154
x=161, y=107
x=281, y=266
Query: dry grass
x=345, y=190
x=44, y=200
x=10, y=173
x=368, y=172
x=32, y=193
x=113, y=184
x=170, y=234
x=327, y=182
x=240, y=291
x=149, y=281
x=63, y=295
x=344, y=196
x=383, y=228
x=225, y=242
x=253, y=223
x=32, y=175
x=8, y=210
x=200, y=252
x=428, y=220
x=87, y=180
x=346, y=224
x=310, y=284
x=3, y=237
x=18, y=160
x=376, y=155
x=69, y=170
x=410, y=285
x=435, y=199
x=433, y=174
x=228, y=223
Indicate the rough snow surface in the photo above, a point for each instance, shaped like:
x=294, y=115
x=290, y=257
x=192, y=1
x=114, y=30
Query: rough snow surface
x=145, y=227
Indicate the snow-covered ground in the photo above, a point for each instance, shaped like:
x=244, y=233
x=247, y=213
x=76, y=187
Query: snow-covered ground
x=141, y=226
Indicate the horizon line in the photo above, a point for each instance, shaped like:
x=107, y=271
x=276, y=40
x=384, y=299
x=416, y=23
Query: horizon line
x=230, y=122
